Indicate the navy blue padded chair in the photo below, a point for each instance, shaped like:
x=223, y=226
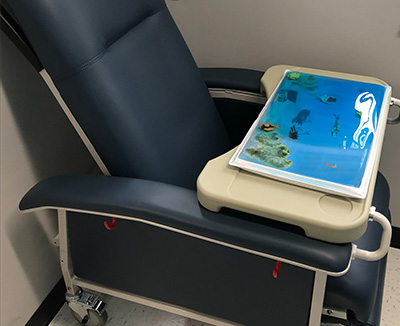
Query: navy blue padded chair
x=133, y=87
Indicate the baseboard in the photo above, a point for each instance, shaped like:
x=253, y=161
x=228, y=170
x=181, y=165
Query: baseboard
x=49, y=307
x=395, y=243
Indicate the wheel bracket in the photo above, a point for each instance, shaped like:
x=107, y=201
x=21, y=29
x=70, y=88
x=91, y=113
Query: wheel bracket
x=83, y=302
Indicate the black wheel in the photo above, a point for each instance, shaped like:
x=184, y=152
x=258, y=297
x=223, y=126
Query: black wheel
x=93, y=318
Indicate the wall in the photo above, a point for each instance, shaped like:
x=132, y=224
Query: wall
x=357, y=36
x=36, y=142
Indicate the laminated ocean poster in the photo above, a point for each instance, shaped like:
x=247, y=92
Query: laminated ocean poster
x=317, y=131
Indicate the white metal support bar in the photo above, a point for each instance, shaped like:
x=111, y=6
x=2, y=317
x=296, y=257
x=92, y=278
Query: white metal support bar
x=385, y=240
x=65, y=260
x=317, y=300
x=393, y=121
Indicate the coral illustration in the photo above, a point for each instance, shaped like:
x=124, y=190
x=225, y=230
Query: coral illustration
x=303, y=80
x=270, y=151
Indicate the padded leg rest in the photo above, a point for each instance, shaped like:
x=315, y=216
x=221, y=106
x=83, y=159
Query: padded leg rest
x=359, y=291
x=187, y=272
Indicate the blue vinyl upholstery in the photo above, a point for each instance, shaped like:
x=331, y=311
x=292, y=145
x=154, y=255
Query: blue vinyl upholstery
x=129, y=58
x=178, y=208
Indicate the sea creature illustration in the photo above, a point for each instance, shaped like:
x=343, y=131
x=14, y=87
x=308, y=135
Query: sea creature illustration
x=301, y=117
x=293, y=133
x=330, y=165
x=309, y=83
x=327, y=99
x=285, y=95
x=292, y=96
x=336, y=126
x=303, y=80
x=293, y=76
x=268, y=126
x=365, y=103
x=281, y=97
x=270, y=150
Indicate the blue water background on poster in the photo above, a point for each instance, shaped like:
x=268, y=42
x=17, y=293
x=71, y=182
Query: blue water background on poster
x=319, y=127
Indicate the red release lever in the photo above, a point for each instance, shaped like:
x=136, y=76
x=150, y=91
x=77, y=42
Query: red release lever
x=112, y=225
x=277, y=270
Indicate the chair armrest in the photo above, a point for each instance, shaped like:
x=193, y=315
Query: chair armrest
x=236, y=94
x=177, y=209
x=233, y=78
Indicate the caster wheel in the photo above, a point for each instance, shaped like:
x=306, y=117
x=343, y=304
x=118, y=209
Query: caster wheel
x=93, y=318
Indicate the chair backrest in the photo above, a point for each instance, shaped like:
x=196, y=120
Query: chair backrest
x=130, y=81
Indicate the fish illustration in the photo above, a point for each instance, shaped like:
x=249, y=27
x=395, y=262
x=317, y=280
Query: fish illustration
x=330, y=165
x=327, y=99
x=268, y=126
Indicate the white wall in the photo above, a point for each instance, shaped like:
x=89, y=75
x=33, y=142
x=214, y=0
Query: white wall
x=36, y=142
x=353, y=36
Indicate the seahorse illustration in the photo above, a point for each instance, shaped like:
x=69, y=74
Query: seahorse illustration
x=336, y=126
x=365, y=104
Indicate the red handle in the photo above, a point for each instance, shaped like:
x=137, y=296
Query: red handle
x=277, y=270
x=112, y=225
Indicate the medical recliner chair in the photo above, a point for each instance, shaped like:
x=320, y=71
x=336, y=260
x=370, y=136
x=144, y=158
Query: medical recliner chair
x=143, y=109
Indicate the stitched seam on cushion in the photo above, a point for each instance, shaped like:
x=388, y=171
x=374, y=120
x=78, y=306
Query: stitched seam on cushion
x=96, y=58
x=81, y=67
x=151, y=14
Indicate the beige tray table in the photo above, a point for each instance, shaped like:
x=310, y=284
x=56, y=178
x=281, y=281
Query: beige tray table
x=322, y=216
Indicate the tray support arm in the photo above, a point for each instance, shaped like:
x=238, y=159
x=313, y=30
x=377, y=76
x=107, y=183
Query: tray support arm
x=394, y=121
x=385, y=239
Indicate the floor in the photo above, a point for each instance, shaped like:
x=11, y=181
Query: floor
x=391, y=296
x=124, y=313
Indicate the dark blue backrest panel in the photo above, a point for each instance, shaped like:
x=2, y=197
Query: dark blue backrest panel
x=130, y=81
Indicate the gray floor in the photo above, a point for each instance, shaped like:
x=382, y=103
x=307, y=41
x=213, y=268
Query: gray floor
x=391, y=296
x=121, y=312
